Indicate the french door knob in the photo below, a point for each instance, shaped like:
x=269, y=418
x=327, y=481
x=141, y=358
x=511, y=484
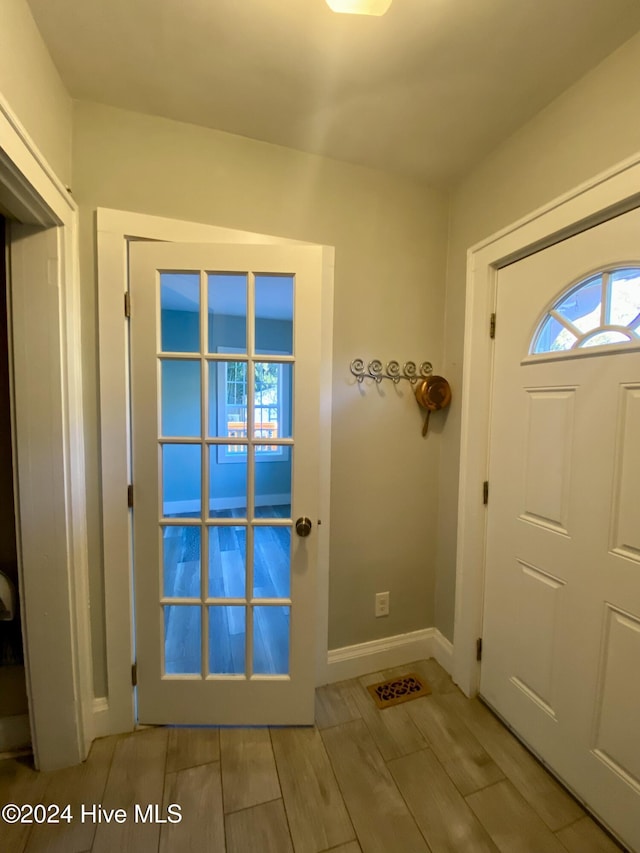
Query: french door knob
x=303, y=526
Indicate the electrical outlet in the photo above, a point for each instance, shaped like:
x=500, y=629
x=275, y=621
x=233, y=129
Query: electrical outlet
x=382, y=604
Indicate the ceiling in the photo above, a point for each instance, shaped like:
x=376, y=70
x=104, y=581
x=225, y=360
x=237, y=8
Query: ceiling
x=424, y=91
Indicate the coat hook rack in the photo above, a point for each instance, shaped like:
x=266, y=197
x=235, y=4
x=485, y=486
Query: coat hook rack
x=374, y=370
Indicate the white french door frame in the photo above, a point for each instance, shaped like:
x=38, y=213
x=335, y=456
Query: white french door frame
x=115, y=229
x=613, y=192
x=48, y=435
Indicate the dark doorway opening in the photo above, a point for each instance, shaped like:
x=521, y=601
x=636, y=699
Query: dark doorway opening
x=13, y=696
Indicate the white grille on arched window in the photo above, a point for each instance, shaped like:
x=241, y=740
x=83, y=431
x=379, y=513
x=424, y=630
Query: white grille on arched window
x=601, y=310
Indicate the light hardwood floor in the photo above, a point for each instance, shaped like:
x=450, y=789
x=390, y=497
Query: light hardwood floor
x=227, y=579
x=437, y=774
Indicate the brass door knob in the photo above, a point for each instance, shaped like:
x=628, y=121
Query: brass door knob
x=303, y=526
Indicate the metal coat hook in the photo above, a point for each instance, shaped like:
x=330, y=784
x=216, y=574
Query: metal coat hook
x=393, y=371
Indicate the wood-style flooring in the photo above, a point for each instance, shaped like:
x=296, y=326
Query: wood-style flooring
x=437, y=774
x=227, y=578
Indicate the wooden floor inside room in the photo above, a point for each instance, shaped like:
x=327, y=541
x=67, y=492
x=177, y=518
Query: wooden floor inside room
x=438, y=774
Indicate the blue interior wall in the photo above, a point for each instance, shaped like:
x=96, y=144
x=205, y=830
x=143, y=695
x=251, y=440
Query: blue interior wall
x=181, y=405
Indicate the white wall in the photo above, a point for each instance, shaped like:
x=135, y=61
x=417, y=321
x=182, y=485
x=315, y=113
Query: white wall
x=390, y=239
x=592, y=126
x=31, y=85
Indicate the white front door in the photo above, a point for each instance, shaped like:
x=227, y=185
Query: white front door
x=561, y=632
x=225, y=362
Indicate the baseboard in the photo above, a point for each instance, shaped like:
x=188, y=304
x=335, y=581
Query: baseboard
x=101, y=717
x=344, y=663
x=15, y=732
x=362, y=658
x=443, y=651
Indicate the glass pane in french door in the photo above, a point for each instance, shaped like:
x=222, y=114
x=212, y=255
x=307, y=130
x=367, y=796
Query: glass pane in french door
x=271, y=644
x=271, y=562
x=274, y=314
x=181, y=561
x=179, y=312
x=225, y=437
x=227, y=640
x=181, y=480
x=180, y=397
x=227, y=312
x=228, y=481
x=227, y=562
x=273, y=382
x=182, y=640
x=272, y=482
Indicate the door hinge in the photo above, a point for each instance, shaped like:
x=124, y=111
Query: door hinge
x=479, y=648
x=492, y=326
x=485, y=492
x=130, y=496
x=127, y=305
x=134, y=674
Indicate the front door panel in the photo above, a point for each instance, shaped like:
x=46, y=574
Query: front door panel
x=561, y=633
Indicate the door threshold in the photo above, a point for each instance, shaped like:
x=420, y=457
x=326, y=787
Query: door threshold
x=594, y=817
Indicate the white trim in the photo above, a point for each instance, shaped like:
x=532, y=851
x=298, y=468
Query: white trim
x=443, y=651
x=114, y=229
x=39, y=182
x=14, y=732
x=601, y=198
x=237, y=502
x=101, y=716
x=363, y=658
x=55, y=603
x=324, y=461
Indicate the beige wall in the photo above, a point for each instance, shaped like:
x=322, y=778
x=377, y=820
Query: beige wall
x=390, y=240
x=592, y=126
x=31, y=85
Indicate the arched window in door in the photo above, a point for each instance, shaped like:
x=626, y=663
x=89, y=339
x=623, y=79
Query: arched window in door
x=601, y=310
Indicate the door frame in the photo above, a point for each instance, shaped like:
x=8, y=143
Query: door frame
x=115, y=712
x=608, y=194
x=42, y=265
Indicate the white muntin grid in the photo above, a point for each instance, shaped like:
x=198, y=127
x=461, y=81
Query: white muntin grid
x=207, y=444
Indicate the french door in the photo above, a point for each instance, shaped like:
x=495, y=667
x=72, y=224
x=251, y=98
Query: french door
x=225, y=360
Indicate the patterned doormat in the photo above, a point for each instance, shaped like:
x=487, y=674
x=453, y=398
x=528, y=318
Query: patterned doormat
x=397, y=690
